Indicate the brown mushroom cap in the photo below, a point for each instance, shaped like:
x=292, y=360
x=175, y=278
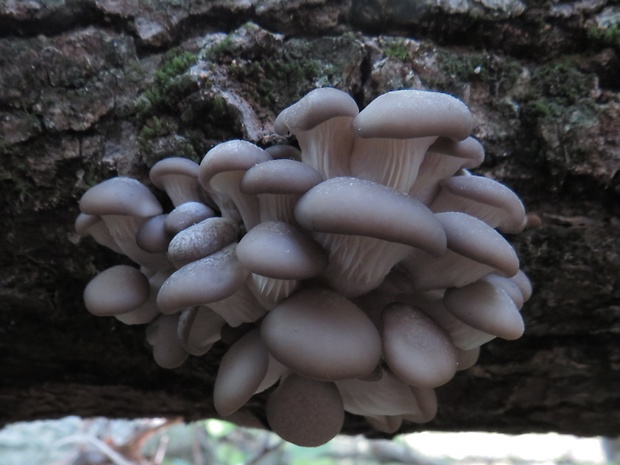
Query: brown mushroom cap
x=417, y=350
x=280, y=250
x=240, y=373
x=406, y=114
x=322, y=335
x=117, y=290
x=359, y=207
x=305, y=412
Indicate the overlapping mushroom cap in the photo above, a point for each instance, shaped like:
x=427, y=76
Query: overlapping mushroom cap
x=356, y=274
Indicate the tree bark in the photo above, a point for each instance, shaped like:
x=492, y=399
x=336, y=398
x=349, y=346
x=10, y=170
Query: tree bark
x=91, y=89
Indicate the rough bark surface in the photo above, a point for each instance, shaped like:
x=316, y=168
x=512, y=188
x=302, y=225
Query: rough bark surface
x=90, y=89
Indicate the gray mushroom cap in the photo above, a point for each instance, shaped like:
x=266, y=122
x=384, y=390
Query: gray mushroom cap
x=360, y=207
x=117, y=290
x=322, y=335
x=316, y=107
x=152, y=235
x=201, y=240
x=93, y=225
x=486, y=199
x=199, y=328
x=305, y=412
x=240, y=373
x=417, y=350
x=209, y=279
x=178, y=177
x=120, y=196
x=167, y=349
x=280, y=177
x=407, y=114
x=185, y=215
x=280, y=250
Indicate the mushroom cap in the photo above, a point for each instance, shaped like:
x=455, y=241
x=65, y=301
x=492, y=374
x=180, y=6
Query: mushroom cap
x=322, y=335
x=199, y=328
x=355, y=206
x=117, y=290
x=280, y=250
x=186, y=215
x=152, y=235
x=120, y=196
x=201, y=240
x=209, y=279
x=172, y=166
x=470, y=150
x=484, y=198
x=282, y=176
x=305, y=412
x=281, y=151
x=417, y=350
x=167, y=349
x=234, y=155
x=316, y=107
x=94, y=226
x=241, y=372
x=486, y=307
x=474, y=239
x=406, y=114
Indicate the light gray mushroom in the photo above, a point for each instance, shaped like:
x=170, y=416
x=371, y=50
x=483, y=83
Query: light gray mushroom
x=185, y=215
x=394, y=132
x=125, y=204
x=167, y=349
x=322, y=335
x=483, y=198
x=93, y=225
x=242, y=369
x=367, y=228
x=221, y=171
x=321, y=122
x=199, y=328
x=279, y=255
x=201, y=240
x=207, y=280
x=443, y=159
x=417, y=350
x=117, y=290
x=152, y=235
x=474, y=249
x=486, y=307
x=279, y=184
x=178, y=177
x=148, y=311
x=305, y=412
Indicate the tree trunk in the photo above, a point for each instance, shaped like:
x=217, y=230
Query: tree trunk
x=91, y=89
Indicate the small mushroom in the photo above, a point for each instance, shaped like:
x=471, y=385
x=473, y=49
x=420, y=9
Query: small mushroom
x=199, y=328
x=167, y=349
x=279, y=255
x=474, y=250
x=117, y=290
x=321, y=123
x=483, y=198
x=241, y=371
x=185, y=215
x=92, y=225
x=486, y=307
x=367, y=228
x=279, y=184
x=148, y=311
x=178, y=177
x=305, y=412
x=322, y=335
x=207, y=280
x=281, y=151
x=152, y=235
x=221, y=171
x=201, y=240
x=443, y=159
x=417, y=350
x=394, y=132
x=125, y=204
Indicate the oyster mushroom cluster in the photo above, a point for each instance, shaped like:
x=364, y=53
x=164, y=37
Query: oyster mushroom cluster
x=356, y=274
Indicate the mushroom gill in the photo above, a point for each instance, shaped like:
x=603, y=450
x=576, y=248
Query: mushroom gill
x=355, y=275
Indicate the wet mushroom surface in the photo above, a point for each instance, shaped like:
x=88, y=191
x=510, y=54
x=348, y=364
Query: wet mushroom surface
x=356, y=276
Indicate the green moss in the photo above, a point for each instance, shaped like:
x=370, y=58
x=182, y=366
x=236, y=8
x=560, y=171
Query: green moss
x=609, y=37
x=398, y=50
x=167, y=82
